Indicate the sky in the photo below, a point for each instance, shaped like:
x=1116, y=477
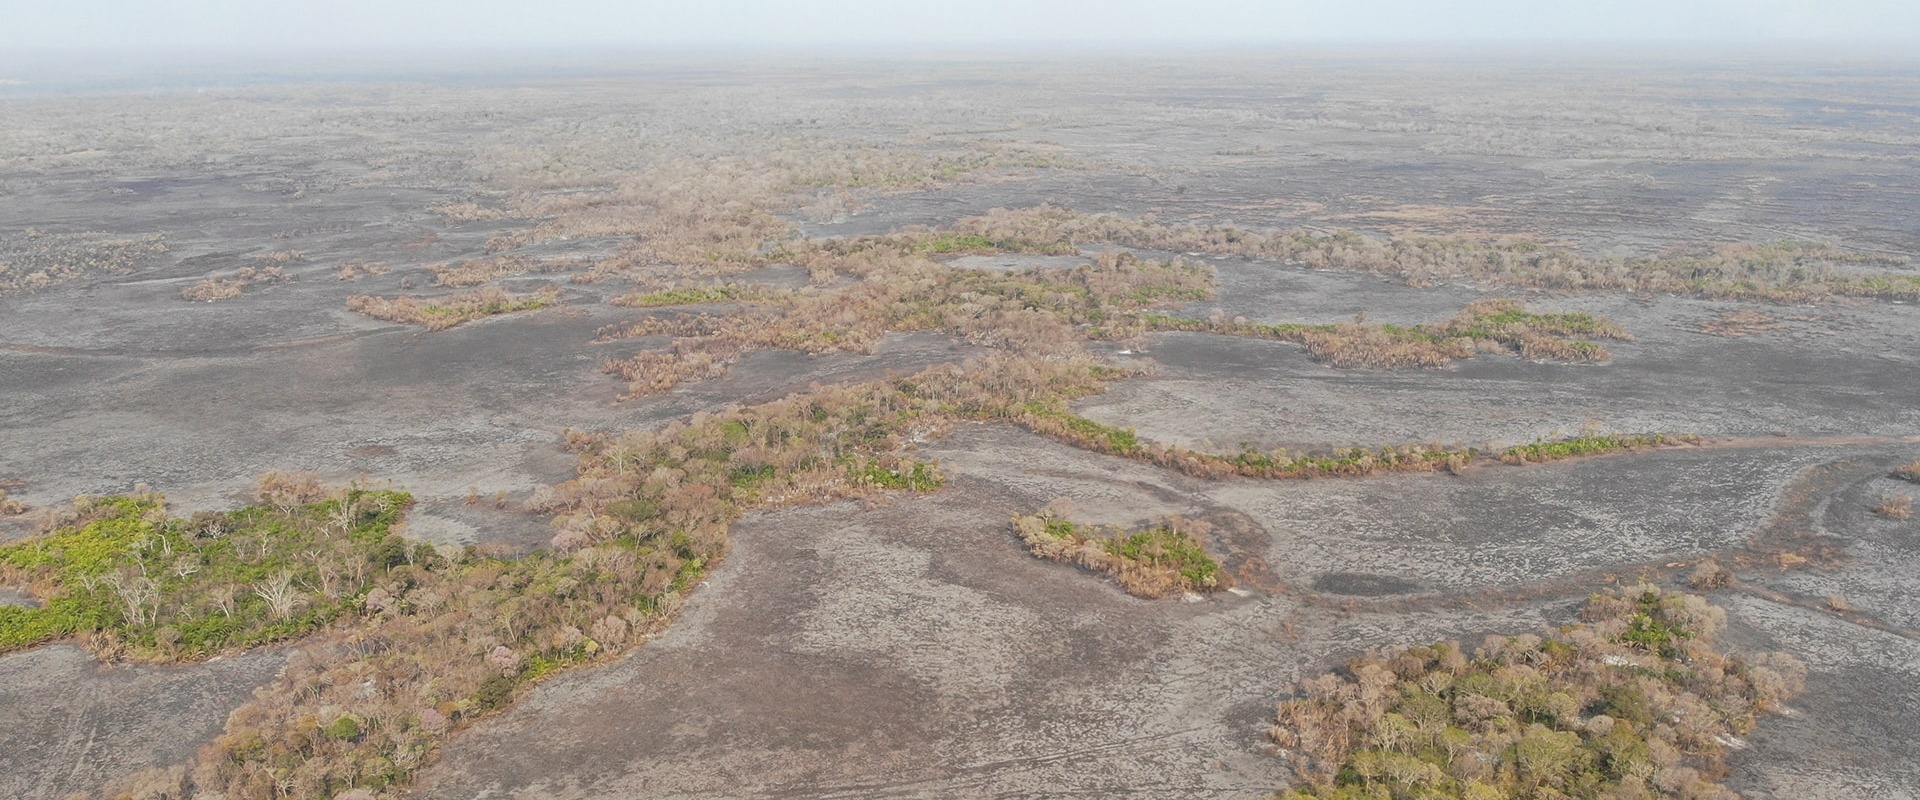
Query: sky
x=358, y=24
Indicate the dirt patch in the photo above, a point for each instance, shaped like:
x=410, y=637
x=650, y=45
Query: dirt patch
x=67, y=723
x=1362, y=585
x=1014, y=262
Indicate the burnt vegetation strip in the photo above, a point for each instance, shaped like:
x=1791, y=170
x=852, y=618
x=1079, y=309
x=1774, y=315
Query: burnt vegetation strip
x=1635, y=701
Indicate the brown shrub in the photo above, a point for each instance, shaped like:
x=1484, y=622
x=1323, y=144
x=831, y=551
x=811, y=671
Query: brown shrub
x=1740, y=323
x=441, y=313
x=1637, y=695
x=219, y=287
x=355, y=270
x=1709, y=574
x=1895, y=506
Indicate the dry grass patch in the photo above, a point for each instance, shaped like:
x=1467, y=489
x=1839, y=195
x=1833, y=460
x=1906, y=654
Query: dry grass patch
x=482, y=271
x=1162, y=560
x=441, y=313
x=280, y=258
x=33, y=260
x=692, y=295
x=718, y=215
x=1709, y=575
x=226, y=287
x=1634, y=702
x=1484, y=326
x=10, y=507
x=1908, y=472
x=355, y=270
x=1740, y=323
x=1894, y=506
x=466, y=212
x=901, y=289
x=1775, y=272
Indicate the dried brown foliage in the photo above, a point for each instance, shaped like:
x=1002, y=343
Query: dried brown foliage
x=481, y=271
x=1483, y=326
x=1740, y=323
x=33, y=260
x=1777, y=272
x=441, y=313
x=1894, y=506
x=10, y=507
x=286, y=489
x=715, y=215
x=226, y=287
x=1034, y=311
x=355, y=270
x=1709, y=575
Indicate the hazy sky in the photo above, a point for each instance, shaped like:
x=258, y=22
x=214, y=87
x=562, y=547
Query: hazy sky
x=62, y=24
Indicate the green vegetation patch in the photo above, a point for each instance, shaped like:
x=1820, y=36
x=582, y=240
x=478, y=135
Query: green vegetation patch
x=1589, y=446
x=188, y=588
x=438, y=314
x=1483, y=326
x=1635, y=702
x=1159, y=561
x=688, y=296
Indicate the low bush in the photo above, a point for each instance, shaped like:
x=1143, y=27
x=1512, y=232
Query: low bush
x=1483, y=326
x=227, y=287
x=1159, y=561
x=162, y=587
x=441, y=313
x=10, y=507
x=1600, y=444
x=1634, y=702
x=1894, y=506
x=689, y=295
